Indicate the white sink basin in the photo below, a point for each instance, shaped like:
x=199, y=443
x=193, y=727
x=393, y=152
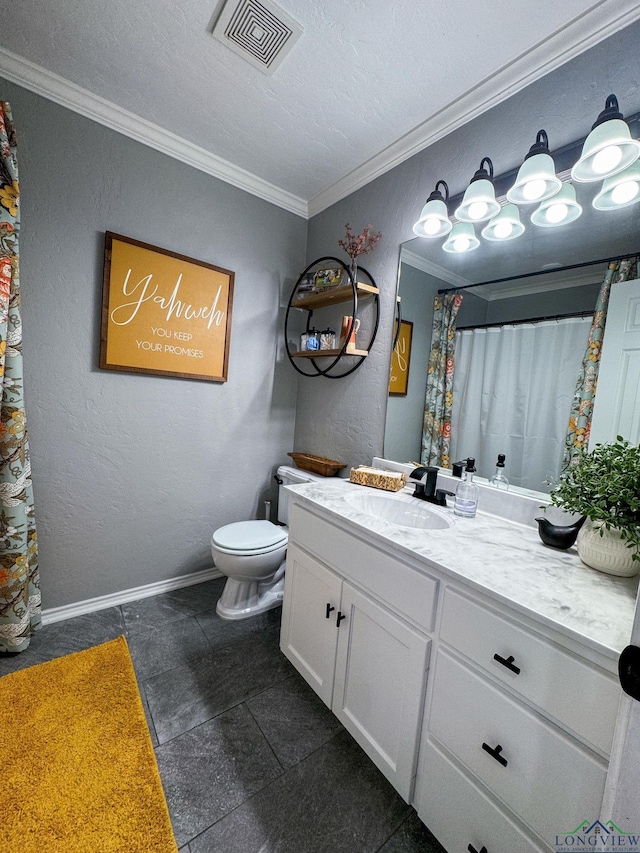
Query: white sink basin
x=402, y=510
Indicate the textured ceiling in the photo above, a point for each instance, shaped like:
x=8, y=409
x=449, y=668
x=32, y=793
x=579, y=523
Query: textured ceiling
x=368, y=83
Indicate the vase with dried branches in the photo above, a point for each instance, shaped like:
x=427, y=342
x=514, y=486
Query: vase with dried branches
x=356, y=245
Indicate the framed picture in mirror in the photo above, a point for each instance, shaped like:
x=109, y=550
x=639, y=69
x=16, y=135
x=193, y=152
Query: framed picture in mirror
x=400, y=360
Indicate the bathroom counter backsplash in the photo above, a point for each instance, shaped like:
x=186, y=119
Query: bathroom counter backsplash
x=506, y=561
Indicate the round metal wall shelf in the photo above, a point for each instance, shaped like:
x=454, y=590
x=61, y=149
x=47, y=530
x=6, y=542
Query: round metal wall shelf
x=339, y=362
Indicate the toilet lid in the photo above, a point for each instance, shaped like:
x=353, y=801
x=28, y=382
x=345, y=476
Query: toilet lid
x=249, y=536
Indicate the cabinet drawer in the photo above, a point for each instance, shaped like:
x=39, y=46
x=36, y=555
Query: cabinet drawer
x=392, y=581
x=549, y=780
x=459, y=814
x=561, y=684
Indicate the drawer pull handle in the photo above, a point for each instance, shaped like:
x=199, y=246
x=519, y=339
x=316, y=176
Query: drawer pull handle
x=508, y=662
x=329, y=609
x=341, y=616
x=495, y=753
x=472, y=849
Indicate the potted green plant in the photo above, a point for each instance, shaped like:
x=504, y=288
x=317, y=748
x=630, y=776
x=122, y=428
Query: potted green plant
x=604, y=486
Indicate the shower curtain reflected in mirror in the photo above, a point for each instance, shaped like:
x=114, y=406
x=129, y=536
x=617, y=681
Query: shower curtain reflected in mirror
x=513, y=389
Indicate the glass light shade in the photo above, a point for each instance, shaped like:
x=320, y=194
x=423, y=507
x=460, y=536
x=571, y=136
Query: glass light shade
x=561, y=209
x=536, y=180
x=434, y=220
x=620, y=190
x=461, y=239
x=478, y=203
x=607, y=150
x=505, y=226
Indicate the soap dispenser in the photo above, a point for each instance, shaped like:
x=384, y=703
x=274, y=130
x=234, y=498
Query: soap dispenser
x=466, y=502
x=499, y=480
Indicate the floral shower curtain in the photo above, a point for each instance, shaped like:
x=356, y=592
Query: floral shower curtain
x=436, y=432
x=19, y=577
x=577, y=438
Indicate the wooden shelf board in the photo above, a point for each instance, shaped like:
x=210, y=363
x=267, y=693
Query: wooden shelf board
x=333, y=297
x=327, y=353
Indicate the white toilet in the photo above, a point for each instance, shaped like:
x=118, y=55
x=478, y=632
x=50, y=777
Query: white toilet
x=252, y=556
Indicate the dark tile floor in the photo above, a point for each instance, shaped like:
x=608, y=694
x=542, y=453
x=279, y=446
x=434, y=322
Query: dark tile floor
x=251, y=760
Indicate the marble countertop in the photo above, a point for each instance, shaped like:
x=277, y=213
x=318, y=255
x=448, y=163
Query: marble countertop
x=506, y=561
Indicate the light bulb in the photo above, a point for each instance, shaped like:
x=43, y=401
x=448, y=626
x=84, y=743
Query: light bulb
x=607, y=159
x=557, y=212
x=532, y=190
x=431, y=225
x=624, y=192
x=478, y=209
x=461, y=244
x=502, y=230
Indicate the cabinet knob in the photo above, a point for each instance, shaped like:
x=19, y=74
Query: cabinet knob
x=341, y=616
x=508, y=662
x=629, y=671
x=329, y=609
x=495, y=753
x=472, y=849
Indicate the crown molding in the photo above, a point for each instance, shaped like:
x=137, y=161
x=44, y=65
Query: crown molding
x=602, y=20
x=55, y=88
x=543, y=284
x=413, y=259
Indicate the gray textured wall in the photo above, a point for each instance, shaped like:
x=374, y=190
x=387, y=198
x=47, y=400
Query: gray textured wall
x=565, y=103
x=132, y=472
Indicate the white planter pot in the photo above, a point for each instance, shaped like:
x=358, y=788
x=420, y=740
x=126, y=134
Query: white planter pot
x=607, y=552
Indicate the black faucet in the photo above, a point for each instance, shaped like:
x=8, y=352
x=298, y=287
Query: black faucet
x=425, y=490
x=428, y=491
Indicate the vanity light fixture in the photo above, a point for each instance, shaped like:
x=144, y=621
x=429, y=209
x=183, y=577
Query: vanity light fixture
x=620, y=190
x=461, y=239
x=536, y=179
x=434, y=220
x=505, y=226
x=609, y=148
x=561, y=209
x=479, y=201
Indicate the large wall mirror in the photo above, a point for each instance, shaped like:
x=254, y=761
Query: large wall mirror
x=545, y=273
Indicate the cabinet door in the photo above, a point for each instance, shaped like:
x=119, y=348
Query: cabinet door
x=308, y=638
x=379, y=685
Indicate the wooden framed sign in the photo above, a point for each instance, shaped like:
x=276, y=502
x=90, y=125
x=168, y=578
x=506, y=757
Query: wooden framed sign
x=164, y=313
x=400, y=358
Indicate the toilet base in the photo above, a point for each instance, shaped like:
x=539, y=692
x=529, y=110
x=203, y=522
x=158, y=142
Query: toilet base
x=242, y=599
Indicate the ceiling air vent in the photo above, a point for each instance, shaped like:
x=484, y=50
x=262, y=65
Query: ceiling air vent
x=260, y=32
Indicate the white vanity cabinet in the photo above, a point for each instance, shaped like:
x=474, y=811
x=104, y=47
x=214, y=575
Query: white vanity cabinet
x=365, y=661
x=506, y=744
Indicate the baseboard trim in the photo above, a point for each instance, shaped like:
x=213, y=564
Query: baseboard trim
x=102, y=602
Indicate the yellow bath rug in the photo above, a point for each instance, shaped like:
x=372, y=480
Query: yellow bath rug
x=77, y=769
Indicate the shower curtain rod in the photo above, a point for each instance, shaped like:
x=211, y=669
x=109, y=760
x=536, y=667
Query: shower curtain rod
x=526, y=320
x=540, y=272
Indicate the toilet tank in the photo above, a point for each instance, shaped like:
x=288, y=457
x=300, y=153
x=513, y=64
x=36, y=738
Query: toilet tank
x=290, y=477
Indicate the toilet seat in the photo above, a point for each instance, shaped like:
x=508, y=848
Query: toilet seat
x=249, y=538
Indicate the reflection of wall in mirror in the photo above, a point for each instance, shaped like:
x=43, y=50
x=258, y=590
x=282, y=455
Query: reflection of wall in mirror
x=403, y=426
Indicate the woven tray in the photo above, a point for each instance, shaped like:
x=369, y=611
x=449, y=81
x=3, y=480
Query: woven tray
x=390, y=481
x=317, y=464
